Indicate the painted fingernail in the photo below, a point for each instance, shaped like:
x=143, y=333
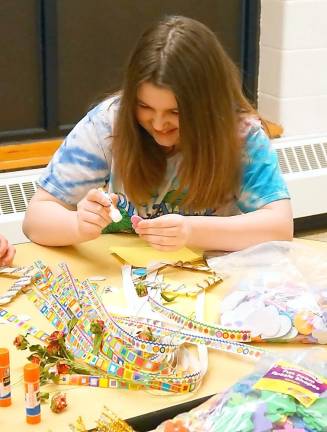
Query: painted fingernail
x=135, y=219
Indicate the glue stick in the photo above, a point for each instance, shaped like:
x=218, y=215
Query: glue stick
x=114, y=213
x=5, y=394
x=32, y=393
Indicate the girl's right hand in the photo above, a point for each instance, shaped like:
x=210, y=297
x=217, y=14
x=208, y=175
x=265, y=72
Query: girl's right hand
x=7, y=252
x=93, y=214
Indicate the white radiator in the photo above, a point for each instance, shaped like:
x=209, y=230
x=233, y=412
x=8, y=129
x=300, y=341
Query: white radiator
x=16, y=190
x=303, y=162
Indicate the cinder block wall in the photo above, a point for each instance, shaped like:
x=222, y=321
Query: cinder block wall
x=292, y=86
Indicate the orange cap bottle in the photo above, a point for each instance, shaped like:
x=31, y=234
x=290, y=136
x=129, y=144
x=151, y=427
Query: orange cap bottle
x=32, y=393
x=5, y=393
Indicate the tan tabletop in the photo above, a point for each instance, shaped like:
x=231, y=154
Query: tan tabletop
x=90, y=259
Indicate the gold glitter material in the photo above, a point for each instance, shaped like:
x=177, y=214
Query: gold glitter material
x=110, y=422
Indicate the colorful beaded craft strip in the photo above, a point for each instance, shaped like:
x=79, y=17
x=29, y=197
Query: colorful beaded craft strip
x=23, y=325
x=226, y=333
x=127, y=360
x=58, y=316
x=129, y=372
x=117, y=368
x=181, y=336
x=78, y=341
x=118, y=383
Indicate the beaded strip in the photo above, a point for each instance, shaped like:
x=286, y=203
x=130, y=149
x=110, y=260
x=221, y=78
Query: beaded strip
x=125, y=359
x=126, y=366
x=78, y=341
x=58, y=316
x=128, y=374
x=23, y=325
x=107, y=381
x=181, y=335
x=226, y=333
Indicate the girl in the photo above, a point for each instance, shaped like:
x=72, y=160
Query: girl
x=180, y=146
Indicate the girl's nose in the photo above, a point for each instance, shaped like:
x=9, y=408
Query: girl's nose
x=158, y=122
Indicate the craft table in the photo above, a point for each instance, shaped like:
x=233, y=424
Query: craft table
x=86, y=260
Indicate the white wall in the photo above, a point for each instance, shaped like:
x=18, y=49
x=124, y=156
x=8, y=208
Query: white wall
x=292, y=88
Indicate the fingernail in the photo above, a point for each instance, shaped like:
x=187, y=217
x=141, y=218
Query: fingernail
x=135, y=219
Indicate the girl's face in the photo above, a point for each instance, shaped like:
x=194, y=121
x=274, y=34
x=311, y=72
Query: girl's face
x=157, y=113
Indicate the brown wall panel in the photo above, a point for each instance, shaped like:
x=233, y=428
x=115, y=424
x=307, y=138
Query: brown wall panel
x=94, y=39
x=20, y=67
x=60, y=57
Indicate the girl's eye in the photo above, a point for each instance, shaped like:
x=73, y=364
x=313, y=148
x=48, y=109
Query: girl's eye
x=175, y=112
x=143, y=106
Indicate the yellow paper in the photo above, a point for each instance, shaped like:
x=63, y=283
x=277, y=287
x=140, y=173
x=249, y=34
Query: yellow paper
x=142, y=256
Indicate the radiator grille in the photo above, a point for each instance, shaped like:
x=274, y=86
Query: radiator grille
x=299, y=158
x=14, y=197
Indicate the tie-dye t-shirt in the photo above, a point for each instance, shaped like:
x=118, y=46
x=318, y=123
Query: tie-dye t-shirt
x=84, y=161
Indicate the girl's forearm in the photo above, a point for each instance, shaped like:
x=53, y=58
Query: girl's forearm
x=51, y=224
x=238, y=232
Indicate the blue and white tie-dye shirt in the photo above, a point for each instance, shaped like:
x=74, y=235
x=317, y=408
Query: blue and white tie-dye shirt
x=84, y=161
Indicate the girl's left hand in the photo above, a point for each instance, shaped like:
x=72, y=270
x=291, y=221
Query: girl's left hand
x=167, y=233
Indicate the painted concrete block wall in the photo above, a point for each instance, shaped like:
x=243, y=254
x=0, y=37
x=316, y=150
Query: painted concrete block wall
x=292, y=87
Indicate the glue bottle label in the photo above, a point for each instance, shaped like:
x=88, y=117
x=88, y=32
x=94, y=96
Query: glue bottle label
x=32, y=400
x=5, y=383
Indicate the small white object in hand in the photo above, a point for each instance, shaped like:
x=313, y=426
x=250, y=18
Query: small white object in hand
x=114, y=214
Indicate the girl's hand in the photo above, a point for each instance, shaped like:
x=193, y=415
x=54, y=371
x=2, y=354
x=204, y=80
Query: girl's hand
x=93, y=214
x=167, y=233
x=7, y=252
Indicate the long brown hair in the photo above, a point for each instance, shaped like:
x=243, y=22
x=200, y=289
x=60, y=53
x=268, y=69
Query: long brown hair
x=183, y=55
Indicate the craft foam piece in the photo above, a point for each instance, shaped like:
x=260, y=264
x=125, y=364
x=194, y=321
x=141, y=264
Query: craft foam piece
x=264, y=322
x=233, y=300
x=290, y=335
x=285, y=327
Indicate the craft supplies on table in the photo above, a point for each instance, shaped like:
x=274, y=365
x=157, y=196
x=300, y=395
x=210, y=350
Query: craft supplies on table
x=32, y=393
x=22, y=276
x=279, y=292
x=280, y=397
x=5, y=393
x=91, y=258
x=136, y=353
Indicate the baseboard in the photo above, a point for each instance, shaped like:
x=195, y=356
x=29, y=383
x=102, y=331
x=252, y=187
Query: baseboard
x=309, y=223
